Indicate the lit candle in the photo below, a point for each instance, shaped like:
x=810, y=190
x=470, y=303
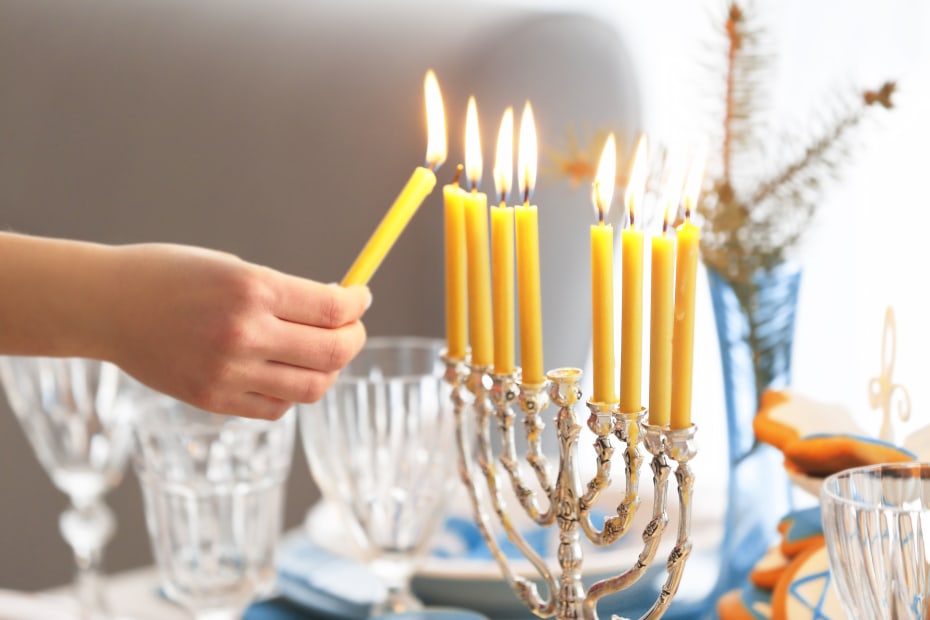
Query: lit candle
x=502, y=251
x=685, y=281
x=631, y=313
x=602, y=277
x=476, y=235
x=528, y=289
x=421, y=183
x=456, y=269
x=662, y=311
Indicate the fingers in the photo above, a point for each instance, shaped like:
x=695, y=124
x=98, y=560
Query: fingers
x=259, y=406
x=313, y=348
x=322, y=305
x=292, y=384
x=268, y=390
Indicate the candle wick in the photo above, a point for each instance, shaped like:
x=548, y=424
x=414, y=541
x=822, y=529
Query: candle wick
x=458, y=174
x=632, y=218
x=526, y=196
x=503, y=198
x=665, y=223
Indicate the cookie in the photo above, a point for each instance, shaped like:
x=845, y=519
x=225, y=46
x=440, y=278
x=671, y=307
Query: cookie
x=819, y=439
x=800, y=530
x=768, y=569
x=825, y=454
x=785, y=417
x=748, y=603
x=804, y=591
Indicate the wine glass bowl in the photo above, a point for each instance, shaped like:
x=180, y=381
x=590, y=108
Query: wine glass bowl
x=380, y=447
x=213, y=489
x=876, y=521
x=76, y=413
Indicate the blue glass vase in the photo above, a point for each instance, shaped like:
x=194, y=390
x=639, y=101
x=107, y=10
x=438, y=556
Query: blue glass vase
x=755, y=328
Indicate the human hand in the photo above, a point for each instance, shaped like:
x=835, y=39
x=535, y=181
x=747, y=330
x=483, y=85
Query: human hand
x=224, y=334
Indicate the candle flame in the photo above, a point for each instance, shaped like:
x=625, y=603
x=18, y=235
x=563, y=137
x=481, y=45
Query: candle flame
x=602, y=192
x=672, y=187
x=636, y=186
x=473, y=160
x=436, y=148
x=503, y=161
x=526, y=159
x=695, y=179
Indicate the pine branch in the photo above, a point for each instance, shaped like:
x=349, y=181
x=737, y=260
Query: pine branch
x=821, y=149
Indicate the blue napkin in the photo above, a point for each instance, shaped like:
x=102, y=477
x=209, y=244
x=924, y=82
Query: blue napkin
x=316, y=580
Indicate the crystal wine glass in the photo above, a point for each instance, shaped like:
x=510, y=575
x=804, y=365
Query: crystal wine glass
x=875, y=520
x=213, y=487
x=75, y=413
x=380, y=447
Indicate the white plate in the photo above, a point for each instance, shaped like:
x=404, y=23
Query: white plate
x=452, y=575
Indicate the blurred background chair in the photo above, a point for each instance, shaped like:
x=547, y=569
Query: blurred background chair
x=279, y=131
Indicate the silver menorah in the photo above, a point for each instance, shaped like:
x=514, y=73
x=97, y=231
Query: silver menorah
x=568, y=503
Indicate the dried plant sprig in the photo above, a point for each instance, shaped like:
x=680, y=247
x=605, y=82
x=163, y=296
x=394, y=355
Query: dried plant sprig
x=752, y=221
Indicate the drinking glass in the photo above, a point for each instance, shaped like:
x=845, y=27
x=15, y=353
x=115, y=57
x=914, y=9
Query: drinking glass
x=213, y=492
x=75, y=413
x=380, y=447
x=874, y=519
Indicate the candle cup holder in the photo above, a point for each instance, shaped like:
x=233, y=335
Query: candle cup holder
x=562, y=500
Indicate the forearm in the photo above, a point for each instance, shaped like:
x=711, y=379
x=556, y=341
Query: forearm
x=51, y=295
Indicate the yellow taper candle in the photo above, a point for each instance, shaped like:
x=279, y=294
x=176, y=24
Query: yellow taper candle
x=502, y=251
x=527, y=228
x=631, y=309
x=421, y=183
x=456, y=270
x=476, y=237
x=502, y=254
x=661, y=319
x=602, y=278
x=685, y=282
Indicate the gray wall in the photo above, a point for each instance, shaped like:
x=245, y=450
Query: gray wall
x=278, y=130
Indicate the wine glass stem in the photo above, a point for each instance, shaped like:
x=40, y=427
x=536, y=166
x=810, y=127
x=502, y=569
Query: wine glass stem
x=395, y=573
x=87, y=527
x=89, y=585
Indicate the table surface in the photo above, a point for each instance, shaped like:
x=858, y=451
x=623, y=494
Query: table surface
x=133, y=595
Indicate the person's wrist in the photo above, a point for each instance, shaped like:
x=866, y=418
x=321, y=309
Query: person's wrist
x=99, y=313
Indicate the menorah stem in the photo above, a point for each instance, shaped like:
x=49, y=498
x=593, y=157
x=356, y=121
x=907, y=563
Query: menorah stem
x=601, y=423
x=567, y=494
x=604, y=421
x=526, y=589
x=652, y=534
x=681, y=447
x=503, y=393
x=630, y=430
x=455, y=377
x=534, y=399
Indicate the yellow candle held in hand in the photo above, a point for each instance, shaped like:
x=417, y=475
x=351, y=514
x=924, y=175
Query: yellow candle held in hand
x=476, y=236
x=528, y=288
x=502, y=251
x=456, y=269
x=685, y=282
x=419, y=186
x=602, y=277
x=662, y=311
x=631, y=313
